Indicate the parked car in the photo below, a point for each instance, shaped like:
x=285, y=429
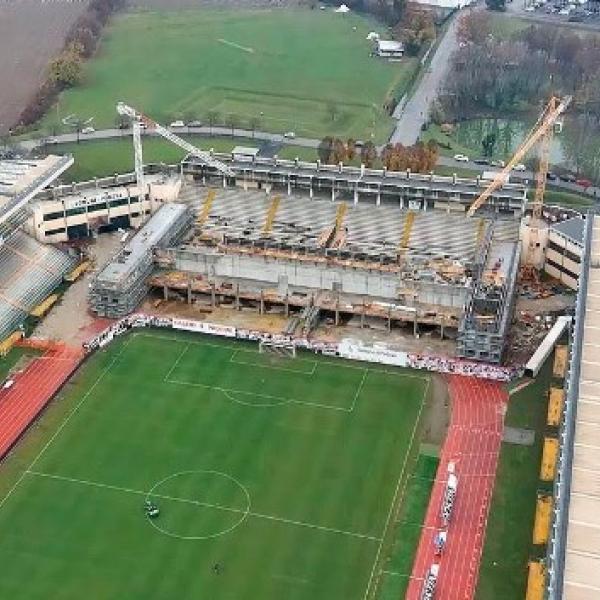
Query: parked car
x=551, y=176
x=87, y=130
x=564, y=12
x=586, y=183
x=519, y=167
x=481, y=161
x=497, y=163
x=461, y=158
x=195, y=124
x=177, y=124
x=51, y=140
x=568, y=178
x=289, y=134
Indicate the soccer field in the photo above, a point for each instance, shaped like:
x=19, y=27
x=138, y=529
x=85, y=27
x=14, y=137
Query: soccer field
x=284, y=68
x=286, y=473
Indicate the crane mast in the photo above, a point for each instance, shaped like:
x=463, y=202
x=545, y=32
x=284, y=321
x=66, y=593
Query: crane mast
x=138, y=118
x=540, y=131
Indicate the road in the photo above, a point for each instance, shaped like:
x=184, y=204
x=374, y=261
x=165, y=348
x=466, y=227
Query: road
x=275, y=141
x=416, y=111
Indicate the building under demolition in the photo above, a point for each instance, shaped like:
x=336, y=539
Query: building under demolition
x=313, y=242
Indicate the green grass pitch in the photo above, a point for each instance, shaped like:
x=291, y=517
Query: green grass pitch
x=283, y=67
x=287, y=473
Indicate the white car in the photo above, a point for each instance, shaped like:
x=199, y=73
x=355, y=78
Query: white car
x=461, y=158
x=519, y=167
x=290, y=134
x=530, y=9
x=177, y=124
x=497, y=163
x=86, y=130
x=564, y=12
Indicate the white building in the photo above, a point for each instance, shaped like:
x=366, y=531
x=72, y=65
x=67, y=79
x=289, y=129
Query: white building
x=564, y=250
x=389, y=49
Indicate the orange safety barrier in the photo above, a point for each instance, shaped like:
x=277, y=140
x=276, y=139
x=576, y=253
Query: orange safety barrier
x=555, y=406
x=548, y=468
x=536, y=579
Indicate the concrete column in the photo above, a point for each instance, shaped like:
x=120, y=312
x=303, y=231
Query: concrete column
x=287, y=306
x=362, y=316
x=378, y=197
x=401, y=201
x=337, y=313
x=355, y=194
x=310, y=191
x=389, y=320
x=237, y=296
x=165, y=292
x=333, y=192
x=442, y=330
x=224, y=182
x=415, y=326
x=189, y=291
x=245, y=185
x=213, y=299
x=262, y=303
x=289, y=187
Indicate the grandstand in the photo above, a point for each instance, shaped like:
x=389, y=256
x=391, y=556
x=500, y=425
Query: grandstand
x=398, y=265
x=29, y=272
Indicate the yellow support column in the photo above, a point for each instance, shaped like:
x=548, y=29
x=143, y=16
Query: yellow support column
x=543, y=517
x=271, y=214
x=406, y=231
x=548, y=468
x=206, y=208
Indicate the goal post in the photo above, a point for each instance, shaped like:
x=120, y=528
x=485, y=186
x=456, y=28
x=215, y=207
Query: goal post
x=277, y=348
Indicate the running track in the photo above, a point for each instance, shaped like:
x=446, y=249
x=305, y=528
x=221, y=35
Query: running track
x=473, y=443
x=33, y=388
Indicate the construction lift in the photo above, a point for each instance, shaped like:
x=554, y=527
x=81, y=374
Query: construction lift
x=541, y=132
x=139, y=120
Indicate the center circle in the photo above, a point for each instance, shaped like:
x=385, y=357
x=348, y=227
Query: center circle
x=198, y=505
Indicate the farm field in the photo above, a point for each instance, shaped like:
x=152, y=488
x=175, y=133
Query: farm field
x=31, y=32
x=275, y=477
x=303, y=70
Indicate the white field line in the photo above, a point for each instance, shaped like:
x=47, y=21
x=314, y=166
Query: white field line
x=234, y=45
x=199, y=503
x=359, y=389
x=66, y=420
x=340, y=363
x=394, y=503
x=176, y=362
x=233, y=359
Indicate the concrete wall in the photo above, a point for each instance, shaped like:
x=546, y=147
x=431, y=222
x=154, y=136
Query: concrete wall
x=282, y=274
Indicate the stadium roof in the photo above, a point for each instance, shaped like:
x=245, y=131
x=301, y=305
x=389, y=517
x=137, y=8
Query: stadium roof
x=582, y=557
x=21, y=180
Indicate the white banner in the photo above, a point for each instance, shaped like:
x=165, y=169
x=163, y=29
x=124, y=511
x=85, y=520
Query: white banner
x=378, y=353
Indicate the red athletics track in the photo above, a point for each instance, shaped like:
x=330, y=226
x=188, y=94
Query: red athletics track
x=32, y=390
x=473, y=443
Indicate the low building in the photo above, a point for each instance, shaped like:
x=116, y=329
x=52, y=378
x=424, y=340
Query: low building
x=389, y=49
x=564, y=251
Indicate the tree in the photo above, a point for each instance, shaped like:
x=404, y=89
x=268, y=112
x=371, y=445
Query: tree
x=474, y=27
x=339, y=152
x=488, y=143
x=333, y=110
x=351, y=149
x=368, y=154
x=232, y=121
x=212, y=117
x=254, y=123
x=499, y=5
x=65, y=70
x=415, y=29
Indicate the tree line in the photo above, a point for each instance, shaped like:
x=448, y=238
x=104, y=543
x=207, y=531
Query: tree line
x=66, y=69
x=419, y=158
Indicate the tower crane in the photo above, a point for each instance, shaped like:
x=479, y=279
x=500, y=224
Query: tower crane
x=542, y=130
x=138, y=118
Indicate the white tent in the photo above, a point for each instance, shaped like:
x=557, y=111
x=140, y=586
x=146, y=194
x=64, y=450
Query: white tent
x=342, y=9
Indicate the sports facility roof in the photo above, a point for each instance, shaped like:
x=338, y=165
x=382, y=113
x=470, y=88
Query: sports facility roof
x=582, y=557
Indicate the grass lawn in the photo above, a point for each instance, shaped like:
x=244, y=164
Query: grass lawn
x=284, y=472
x=508, y=541
x=285, y=68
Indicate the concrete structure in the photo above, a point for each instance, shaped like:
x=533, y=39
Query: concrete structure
x=20, y=181
x=69, y=212
x=389, y=49
x=564, y=251
x=120, y=286
x=358, y=184
x=343, y=259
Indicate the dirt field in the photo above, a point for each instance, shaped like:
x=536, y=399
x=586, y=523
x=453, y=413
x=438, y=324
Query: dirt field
x=31, y=33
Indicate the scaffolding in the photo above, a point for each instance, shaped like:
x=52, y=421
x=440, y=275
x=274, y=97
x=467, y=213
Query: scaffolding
x=121, y=285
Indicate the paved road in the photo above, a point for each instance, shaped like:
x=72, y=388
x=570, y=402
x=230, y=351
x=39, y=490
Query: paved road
x=416, y=111
x=275, y=140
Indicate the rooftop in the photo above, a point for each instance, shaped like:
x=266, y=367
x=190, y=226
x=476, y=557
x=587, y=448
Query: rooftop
x=572, y=229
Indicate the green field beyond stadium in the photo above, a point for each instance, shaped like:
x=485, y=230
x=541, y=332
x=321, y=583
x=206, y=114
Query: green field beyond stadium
x=275, y=477
x=284, y=68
